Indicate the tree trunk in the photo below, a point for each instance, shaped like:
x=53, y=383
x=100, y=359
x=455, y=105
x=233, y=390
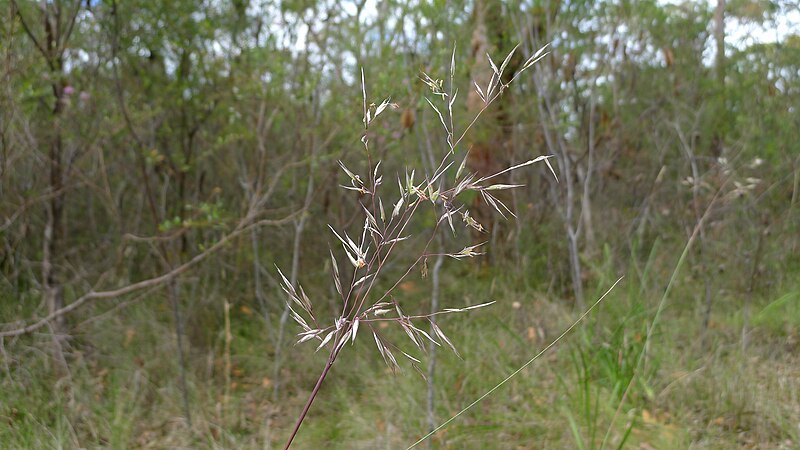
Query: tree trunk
x=719, y=37
x=54, y=232
x=488, y=153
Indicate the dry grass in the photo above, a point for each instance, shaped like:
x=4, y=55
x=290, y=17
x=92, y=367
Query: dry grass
x=124, y=395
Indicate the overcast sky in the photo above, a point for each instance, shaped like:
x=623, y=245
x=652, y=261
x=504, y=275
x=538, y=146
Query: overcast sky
x=741, y=35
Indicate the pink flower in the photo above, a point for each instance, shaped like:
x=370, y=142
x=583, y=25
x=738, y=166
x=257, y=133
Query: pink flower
x=69, y=90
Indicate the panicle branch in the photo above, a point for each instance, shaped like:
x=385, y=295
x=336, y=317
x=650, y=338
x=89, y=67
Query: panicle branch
x=384, y=232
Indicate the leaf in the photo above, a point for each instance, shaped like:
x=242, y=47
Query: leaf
x=286, y=282
x=344, y=340
x=508, y=58
x=336, y=274
x=364, y=235
x=533, y=61
x=463, y=184
x=438, y=332
x=305, y=338
x=351, y=188
x=500, y=187
x=467, y=252
x=399, y=312
x=547, y=161
x=424, y=333
x=397, y=239
x=352, y=245
x=375, y=231
x=436, y=176
x=370, y=217
x=539, y=52
x=453, y=62
x=297, y=318
x=355, y=330
x=350, y=174
x=326, y=340
x=353, y=261
x=310, y=332
x=364, y=96
x=410, y=357
x=526, y=163
x=393, y=364
x=397, y=207
x=536, y=57
x=381, y=107
x=379, y=345
x=441, y=117
x=490, y=87
x=472, y=222
x=480, y=92
x=362, y=279
x=494, y=202
x=463, y=164
x=449, y=216
x=410, y=180
x=452, y=101
x=481, y=305
x=306, y=304
x=494, y=67
x=432, y=194
x=454, y=310
x=411, y=335
x=491, y=201
x=349, y=246
x=375, y=172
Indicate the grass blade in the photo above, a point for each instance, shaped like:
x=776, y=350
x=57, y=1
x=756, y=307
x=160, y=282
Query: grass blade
x=513, y=374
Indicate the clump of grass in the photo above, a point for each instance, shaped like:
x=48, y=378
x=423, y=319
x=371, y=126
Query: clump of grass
x=385, y=229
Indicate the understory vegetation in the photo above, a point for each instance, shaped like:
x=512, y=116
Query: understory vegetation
x=122, y=391
x=197, y=195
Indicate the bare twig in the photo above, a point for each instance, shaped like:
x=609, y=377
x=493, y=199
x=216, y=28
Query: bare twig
x=144, y=284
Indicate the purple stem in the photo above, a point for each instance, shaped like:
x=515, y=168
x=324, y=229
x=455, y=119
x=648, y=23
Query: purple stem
x=311, y=398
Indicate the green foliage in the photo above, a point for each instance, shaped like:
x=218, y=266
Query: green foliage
x=781, y=315
x=159, y=128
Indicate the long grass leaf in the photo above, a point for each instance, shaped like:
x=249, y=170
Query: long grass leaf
x=516, y=372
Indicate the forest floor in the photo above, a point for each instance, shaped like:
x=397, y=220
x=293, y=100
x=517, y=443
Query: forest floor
x=122, y=388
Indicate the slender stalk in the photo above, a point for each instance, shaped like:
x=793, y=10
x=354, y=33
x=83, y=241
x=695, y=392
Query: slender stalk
x=311, y=398
x=751, y=288
x=228, y=338
x=259, y=290
x=385, y=241
x=435, y=291
x=661, y=304
x=514, y=373
x=176, y=313
x=300, y=224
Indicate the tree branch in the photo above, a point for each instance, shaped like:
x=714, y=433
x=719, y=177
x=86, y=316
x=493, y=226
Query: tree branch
x=148, y=283
x=30, y=34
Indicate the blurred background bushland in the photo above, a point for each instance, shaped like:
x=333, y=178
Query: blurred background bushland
x=158, y=159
